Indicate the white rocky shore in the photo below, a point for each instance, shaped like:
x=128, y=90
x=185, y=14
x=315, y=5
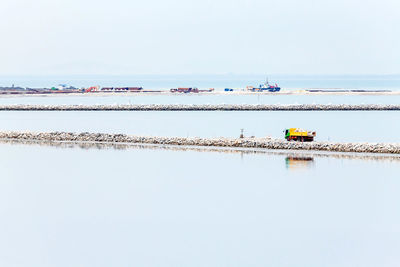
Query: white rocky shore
x=203, y=107
x=264, y=143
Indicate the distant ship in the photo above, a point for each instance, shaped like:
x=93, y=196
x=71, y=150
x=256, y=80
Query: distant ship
x=264, y=87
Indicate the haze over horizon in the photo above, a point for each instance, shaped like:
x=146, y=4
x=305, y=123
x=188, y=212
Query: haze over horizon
x=157, y=37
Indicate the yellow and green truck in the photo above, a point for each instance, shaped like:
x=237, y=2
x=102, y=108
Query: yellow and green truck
x=301, y=135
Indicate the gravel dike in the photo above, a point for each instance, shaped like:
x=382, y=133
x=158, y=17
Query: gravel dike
x=205, y=107
x=264, y=143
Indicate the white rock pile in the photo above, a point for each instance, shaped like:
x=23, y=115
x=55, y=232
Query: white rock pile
x=202, y=107
x=266, y=143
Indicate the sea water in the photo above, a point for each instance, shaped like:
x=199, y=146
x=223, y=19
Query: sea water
x=137, y=99
x=149, y=206
x=94, y=205
x=334, y=126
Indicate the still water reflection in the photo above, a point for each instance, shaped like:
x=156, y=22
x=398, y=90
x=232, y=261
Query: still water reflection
x=299, y=162
x=100, y=205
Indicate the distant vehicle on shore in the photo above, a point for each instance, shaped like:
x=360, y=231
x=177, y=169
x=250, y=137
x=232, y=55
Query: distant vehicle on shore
x=121, y=89
x=184, y=90
x=189, y=90
x=94, y=89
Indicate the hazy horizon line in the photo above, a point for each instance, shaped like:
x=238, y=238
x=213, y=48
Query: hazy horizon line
x=201, y=74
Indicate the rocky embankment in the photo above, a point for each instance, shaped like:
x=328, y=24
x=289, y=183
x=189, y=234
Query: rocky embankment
x=299, y=154
x=265, y=143
x=202, y=107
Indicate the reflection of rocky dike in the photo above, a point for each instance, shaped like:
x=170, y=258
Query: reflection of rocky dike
x=290, y=155
x=201, y=107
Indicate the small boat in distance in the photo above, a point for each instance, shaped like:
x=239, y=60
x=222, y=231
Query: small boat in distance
x=264, y=87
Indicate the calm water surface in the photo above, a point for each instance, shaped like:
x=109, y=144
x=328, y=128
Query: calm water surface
x=161, y=207
x=340, y=126
x=99, y=205
x=201, y=99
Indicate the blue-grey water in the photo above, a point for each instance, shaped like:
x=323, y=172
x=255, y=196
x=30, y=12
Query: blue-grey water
x=152, y=206
x=336, y=126
x=200, y=99
x=161, y=207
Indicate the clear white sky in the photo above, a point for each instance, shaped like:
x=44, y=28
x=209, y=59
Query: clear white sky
x=44, y=37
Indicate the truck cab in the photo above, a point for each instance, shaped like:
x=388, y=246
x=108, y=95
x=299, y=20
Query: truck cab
x=297, y=134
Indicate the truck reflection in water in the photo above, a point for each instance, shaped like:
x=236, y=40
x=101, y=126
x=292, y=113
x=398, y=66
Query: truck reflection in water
x=299, y=162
